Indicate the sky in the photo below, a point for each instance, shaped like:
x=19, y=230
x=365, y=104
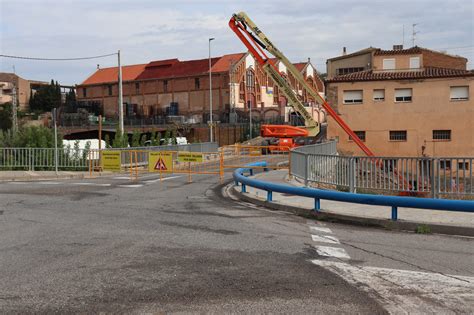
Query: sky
x=146, y=30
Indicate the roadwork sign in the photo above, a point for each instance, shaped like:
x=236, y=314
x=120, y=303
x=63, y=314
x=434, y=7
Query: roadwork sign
x=160, y=162
x=110, y=160
x=189, y=157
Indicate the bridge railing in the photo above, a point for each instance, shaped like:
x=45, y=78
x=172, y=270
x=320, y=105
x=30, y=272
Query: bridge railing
x=440, y=177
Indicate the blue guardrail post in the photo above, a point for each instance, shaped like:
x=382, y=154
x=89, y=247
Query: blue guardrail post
x=394, y=213
x=317, y=204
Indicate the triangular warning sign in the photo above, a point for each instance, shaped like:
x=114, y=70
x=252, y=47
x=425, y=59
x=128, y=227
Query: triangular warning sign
x=160, y=165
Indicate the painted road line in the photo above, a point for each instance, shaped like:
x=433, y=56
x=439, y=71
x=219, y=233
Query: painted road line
x=121, y=177
x=91, y=184
x=335, y=252
x=157, y=180
x=131, y=186
x=320, y=229
x=325, y=239
x=409, y=292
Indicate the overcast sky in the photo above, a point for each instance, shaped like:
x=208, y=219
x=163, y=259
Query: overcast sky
x=152, y=30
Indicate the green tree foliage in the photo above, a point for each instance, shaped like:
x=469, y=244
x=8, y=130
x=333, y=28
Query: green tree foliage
x=120, y=141
x=136, y=138
x=46, y=98
x=70, y=102
x=6, y=116
x=29, y=137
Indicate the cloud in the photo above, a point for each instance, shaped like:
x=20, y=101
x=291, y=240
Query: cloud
x=151, y=30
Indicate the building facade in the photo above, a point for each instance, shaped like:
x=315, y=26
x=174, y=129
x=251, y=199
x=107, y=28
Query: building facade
x=411, y=102
x=181, y=88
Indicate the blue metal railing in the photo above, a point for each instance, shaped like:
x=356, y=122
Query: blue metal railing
x=392, y=201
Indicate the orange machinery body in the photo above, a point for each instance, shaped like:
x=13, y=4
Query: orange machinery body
x=286, y=135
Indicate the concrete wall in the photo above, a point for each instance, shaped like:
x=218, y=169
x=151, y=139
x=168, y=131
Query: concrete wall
x=364, y=60
x=430, y=109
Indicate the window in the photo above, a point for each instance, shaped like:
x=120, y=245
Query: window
x=463, y=166
x=388, y=64
x=379, y=95
x=459, y=93
x=414, y=62
x=84, y=92
x=353, y=97
x=398, y=135
x=445, y=164
x=403, y=95
x=165, y=86
x=441, y=134
x=137, y=88
x=342, y=71
x=110, y=90
x=360, y=135
x=197, y=84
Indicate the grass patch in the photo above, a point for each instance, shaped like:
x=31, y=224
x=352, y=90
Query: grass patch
x=423, y=229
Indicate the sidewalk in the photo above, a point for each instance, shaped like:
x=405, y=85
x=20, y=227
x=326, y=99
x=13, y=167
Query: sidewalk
x=447, y=222
x=39, y=175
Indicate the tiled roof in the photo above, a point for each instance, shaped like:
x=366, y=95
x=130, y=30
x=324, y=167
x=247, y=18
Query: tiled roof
x=168, y=68
x=356, y=53
x=224, y=63
x=108, y=75
x=300, y=65
x=178, y=69
x=409, y=51
x=425, y=73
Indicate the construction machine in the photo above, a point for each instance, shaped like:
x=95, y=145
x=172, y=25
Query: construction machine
x=257, y=43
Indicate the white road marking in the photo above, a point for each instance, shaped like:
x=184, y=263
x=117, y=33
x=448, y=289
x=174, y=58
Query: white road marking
x=131, y=186
x=121, y=177
x=163, y=179
x=409, y=292
x=320, y=229
x=335, y=252
x=325, y=239
x=91, y=184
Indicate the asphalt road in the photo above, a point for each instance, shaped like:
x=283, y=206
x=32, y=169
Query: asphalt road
x=108, y=245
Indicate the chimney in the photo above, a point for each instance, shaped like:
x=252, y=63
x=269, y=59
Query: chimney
x=397, y=47
x=344, y=51
x=98, y=66
x=309, y=60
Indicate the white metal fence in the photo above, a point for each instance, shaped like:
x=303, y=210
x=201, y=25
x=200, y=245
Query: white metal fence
x=76, y=159
x=441, y=177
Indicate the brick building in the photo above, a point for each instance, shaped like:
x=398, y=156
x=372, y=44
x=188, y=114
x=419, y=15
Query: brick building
x=11, y=84
x=403, y=102
x=174, y=87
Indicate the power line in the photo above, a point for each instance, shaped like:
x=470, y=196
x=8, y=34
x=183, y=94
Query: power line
x=58, y=59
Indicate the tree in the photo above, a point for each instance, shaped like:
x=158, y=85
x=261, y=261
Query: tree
x=136, y=138
x=6, y=116
x=46, y=98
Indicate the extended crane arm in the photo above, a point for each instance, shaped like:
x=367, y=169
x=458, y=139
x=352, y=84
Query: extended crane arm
x=256, y=42
x=240, y=24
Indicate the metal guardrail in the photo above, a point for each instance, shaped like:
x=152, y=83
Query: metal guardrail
x=75, y=159
x=392, y=201
x=441, y=177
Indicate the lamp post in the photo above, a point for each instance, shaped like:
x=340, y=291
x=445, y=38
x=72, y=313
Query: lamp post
x=210, y=90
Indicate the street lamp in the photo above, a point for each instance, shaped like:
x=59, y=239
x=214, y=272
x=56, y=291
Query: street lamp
x=210, y=88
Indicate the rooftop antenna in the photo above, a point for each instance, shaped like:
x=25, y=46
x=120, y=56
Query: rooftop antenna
x=414, y=34
x=14, y=71
x=403, y=35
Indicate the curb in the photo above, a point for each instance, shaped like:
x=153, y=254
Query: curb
x=399, y=225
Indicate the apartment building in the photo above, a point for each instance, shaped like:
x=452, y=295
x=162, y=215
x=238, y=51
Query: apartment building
x=409, y=102
x=174, y=87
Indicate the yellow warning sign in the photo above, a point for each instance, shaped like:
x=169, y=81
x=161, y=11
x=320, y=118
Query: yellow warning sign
x=160, y=162
x=110, y=160
x=189, y=157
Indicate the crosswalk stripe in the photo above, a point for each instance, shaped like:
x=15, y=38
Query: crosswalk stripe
x=325, y=239
x=131, y=186
x=335, y=252
x=320, y=229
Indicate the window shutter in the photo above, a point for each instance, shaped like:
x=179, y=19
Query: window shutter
x=389, y=64
x=379, y=94
x=414, y=62
x=352, y=95
x=402, y=92
x=459, y=92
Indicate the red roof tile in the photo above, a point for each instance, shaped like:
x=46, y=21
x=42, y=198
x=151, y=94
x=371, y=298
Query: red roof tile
x=225, y=62
x=425, y=73
x=408, y=51
x=108, y=75
x=300, y=65
x=177, y=69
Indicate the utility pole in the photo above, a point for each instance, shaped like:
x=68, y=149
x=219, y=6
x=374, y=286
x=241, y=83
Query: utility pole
x=14, y=110
x=55, y=140
x=210, y=91
x=120, y=95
